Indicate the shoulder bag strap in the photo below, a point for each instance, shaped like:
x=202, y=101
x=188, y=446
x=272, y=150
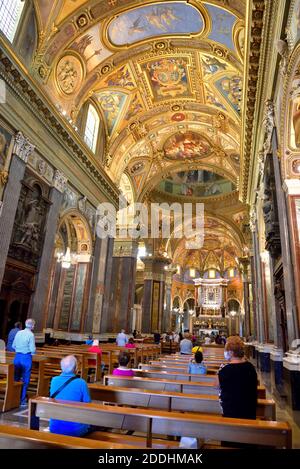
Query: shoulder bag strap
x=63, y=386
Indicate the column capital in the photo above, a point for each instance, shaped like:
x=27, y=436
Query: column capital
x=22, y=147
x=291, y=186
x=59, y=181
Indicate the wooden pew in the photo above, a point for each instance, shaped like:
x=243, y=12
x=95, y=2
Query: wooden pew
x=157, y=422
x=170, y=401
x=24, y=438
x=174, y=369
x=39, y=382
x=181, y=375
x=10, y=390
x=188, y=387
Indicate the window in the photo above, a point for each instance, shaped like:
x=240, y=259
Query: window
x=231, y=273
x=211, y=273
x=192, y=273
x=10, y=14
x=92, y=128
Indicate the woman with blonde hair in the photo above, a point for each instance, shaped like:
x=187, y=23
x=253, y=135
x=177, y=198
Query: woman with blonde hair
x=238, y=382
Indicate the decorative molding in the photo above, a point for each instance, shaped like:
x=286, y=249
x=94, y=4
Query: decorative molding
x=26, y=90
x=22, y=147
x=253, y=220
x=59, y=181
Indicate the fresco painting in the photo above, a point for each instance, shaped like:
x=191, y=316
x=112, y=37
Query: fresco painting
x=231, y=90
x=186, y=145
x=5, y=139
x=121, y=78
x=154, y=20
x=295, y=23
x=168, y=77
x=90, y=48
x=222, y=26
x=212, y=65
x=212, y=99
x=134, y=108
x=112, y=104
x=198, y=183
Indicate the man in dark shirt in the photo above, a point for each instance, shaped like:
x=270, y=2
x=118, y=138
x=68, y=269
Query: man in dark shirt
x=11, y=336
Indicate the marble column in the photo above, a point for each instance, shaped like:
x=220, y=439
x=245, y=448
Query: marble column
x=22, y=149
x=38, y=300
x=166, y=320
x=154, y=292
x=245, y=262
x=101, y=259
x=289, y=281
x=117, y=311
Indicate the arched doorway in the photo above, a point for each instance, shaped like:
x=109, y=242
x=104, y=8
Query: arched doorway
x=188, y=312
x=234, y=310
x=69, y=285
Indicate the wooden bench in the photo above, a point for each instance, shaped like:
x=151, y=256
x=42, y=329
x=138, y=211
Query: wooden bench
x=153, y=422
x=24, y=438
x=10, y=390
x=39, y=382
x=170, y=401
x=176, y=369
x=181, y=375
x=188, y=387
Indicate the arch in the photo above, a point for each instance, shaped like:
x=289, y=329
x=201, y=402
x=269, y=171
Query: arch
x=77, y=224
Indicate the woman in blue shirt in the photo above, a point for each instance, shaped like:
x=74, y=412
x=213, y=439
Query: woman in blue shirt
x=196, y=367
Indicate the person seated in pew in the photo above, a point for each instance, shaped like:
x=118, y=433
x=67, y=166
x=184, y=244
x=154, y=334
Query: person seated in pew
x=237, y=382
x=130, y=343
x=95, y=349
x=196, y=366
x=123, y=370
x=89, y=341
x=186, y=345
x=69, y=387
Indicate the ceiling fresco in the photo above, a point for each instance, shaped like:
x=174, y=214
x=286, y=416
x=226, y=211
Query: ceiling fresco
x=167, y=79
x=152, y=21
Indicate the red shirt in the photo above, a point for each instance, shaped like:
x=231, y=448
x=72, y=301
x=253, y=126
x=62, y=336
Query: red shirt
x=94, y=349
x=130, y=346
x=118, y=372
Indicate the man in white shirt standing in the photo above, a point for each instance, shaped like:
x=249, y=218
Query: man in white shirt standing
x=121, y=339
x=24, y=345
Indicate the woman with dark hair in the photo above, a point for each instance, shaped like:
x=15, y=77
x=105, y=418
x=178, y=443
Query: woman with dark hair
x=238, y=382
x=123, y=370
x=196, y=366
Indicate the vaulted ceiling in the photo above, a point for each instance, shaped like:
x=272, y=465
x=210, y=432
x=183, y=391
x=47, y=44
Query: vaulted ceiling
x=167, y=77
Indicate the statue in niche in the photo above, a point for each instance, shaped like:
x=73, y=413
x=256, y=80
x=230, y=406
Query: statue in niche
x=296, y=124
x=30, y=225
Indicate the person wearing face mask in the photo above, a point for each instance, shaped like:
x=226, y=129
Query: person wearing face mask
x=237, y=382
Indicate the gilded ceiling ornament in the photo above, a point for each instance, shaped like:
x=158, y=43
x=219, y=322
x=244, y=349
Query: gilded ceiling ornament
x=82, y=21
x=69, y=74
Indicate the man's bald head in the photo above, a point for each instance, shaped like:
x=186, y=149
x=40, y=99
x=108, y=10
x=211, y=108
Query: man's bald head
x=68, y=364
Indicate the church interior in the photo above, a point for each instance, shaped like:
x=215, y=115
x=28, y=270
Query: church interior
x=109, y=109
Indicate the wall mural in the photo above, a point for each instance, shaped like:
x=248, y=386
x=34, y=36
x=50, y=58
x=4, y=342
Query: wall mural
x=231, y=90
x=5, y=139
x=112, y=104
x=186, y=145
x=294, y=29
x=212, y=99
x=168, y=78
x=134, y=108
x=90, y=47
x=154, y=20
x=121, y=78
x=211, y=65
x=198, y=183
x=222, y=26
